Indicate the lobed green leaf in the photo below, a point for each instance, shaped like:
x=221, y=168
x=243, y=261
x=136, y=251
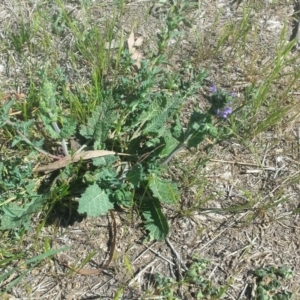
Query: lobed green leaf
x=155, y=221
x=94, y=201
x=164, y=190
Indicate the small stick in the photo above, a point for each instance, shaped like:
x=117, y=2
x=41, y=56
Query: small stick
x=265, y=154
x=140, y=272
x=178, y=257
x=143, y=252
x=229, y=193
x=243, y=292
x=272, y=169
x=235, y=162
x=159, y=255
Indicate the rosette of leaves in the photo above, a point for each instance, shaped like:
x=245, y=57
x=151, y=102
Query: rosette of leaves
x=269, y=283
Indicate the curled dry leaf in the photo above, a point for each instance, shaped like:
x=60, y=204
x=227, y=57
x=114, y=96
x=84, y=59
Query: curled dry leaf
x=130, y=42
x=136, y=54
x=139, y=41
x=18, y=96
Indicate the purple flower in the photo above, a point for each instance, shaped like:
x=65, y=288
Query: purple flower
x=213, y=88
x=224, y=113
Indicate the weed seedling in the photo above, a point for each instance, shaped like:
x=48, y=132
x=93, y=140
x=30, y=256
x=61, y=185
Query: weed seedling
x=193, y=279
x=269, y=283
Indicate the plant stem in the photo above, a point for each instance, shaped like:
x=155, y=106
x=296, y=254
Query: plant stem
x=172, y=154
x=177, y=148
x=63, y=142
x=25, y=139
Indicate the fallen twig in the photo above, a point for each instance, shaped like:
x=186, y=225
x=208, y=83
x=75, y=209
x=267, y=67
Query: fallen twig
x=142, y=271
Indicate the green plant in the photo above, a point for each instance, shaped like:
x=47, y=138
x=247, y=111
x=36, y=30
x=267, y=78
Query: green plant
x=269, y=282
x=194, y=278
x=84, y=90
x=21, y=37
x=138, y=115
x=165, y=286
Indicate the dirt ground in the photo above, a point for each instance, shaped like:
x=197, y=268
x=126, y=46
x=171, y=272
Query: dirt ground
x=236, y=243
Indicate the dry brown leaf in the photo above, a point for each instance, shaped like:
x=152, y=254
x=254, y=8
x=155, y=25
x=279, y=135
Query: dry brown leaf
x=139, y=41
x=135, y=53
x=130, y=42
x=74, y=158
x=19, y=96
x=137, y=56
